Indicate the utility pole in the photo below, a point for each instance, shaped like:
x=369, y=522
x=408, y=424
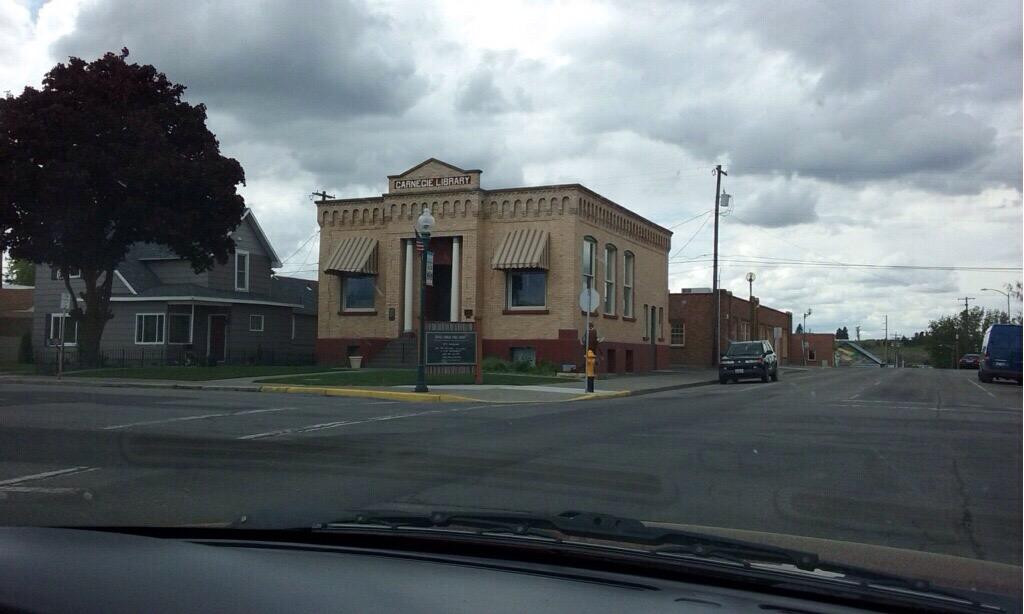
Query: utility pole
x=963, y=323
x=717, y=347
x=885, y=342
x=858, y=332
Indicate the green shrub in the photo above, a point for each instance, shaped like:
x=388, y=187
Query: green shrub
x=522, y=366
x=545, y=368
x=494, y=364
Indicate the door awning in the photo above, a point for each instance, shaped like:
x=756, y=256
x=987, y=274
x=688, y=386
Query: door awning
x=354, y=255
x=526, y=248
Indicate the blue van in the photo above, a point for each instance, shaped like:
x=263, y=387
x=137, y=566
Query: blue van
x=1001, y=353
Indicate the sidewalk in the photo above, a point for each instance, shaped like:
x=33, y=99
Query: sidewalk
x=571, y=390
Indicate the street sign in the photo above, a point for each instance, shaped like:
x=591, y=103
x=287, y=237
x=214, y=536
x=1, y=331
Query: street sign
x=430, y=268
x=65, y=301
x=451, y=348
x=589, y=299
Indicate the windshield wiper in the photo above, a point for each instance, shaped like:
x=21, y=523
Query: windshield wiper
x=582, y=524
x=658, y=541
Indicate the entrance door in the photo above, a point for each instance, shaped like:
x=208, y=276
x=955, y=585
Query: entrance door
x=217, y=337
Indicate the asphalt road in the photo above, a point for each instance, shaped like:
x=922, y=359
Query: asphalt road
x=922, y=459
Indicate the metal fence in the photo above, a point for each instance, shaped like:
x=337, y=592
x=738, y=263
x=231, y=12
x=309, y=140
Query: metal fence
x=166, y=356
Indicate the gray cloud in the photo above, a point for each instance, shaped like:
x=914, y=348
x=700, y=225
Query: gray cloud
x=781, y=204
x=271, y=61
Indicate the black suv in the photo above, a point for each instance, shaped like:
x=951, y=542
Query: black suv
x=748, y=359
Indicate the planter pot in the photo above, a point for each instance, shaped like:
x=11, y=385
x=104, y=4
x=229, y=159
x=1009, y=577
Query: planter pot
x=355, y=361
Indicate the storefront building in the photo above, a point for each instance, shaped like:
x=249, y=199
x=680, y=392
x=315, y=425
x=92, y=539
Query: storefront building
x=691, y=318
x=512, y=261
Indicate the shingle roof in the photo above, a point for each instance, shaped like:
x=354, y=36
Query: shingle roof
x=296, y=290
x=183, y=291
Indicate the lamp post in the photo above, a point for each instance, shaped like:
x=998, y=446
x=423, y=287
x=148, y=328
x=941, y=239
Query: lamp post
x=424, y=224
x=803, y=341
x=753, y=309
x=1006, y=294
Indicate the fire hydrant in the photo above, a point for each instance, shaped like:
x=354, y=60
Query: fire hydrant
x=591, y=369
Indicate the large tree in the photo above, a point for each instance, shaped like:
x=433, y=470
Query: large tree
x=20, y=272
x=106, y=154
x=952, y=336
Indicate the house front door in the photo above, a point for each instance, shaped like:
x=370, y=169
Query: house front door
x=216, y=339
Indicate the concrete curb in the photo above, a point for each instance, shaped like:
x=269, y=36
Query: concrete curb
x=154, y=385
x=330, y=391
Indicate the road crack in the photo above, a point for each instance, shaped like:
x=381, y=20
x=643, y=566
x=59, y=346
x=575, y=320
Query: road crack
x=966, y=520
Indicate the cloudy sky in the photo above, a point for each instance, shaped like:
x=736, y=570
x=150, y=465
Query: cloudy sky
x=885, y=133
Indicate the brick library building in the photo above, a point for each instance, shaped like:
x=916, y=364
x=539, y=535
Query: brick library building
x=512, y=261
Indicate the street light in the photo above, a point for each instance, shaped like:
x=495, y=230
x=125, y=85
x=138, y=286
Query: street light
x=750, y=281
x=803, y=340
x=424, y=224
x=1006, y=294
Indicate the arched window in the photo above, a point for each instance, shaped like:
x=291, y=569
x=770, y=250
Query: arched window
x=610, y=263
x=588, y=264
x=628, y=265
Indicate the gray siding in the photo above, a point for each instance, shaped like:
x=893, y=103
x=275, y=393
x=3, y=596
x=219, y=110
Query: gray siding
x=176, y=272
x=222, y=276
x=46, y=298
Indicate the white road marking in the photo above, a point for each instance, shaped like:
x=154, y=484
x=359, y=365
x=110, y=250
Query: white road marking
x=115, y=427
x=330, y=425
x=47, y=474
x=982, y=388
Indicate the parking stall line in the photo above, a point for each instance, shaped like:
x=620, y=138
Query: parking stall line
x=311, y=428
x=982, y=388
x=115, y=427
x=47, y=474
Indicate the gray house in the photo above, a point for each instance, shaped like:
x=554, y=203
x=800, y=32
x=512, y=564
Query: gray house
x=164, y=313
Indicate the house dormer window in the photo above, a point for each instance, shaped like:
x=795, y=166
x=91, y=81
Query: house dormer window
x=242, y=271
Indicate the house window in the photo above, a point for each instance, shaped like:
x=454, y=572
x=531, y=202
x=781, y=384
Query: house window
x=242, y=271
x=627, y=285
x=679, y=333
x=610, y=259
x=357, y=293
x=589, y=263
x=73, y=273
x=647, y=322
x=526, y=288
x=744, y=334
x=255, y=323
x=149, y=328
x=810, y=355
x=661, y=322
x=179, y=328
x=524, y=354
x=60, y=324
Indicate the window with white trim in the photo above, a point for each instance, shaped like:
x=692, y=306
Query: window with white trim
x=589, y=262
x=678, y=334
x=628, y=264
x=149, y=328
x=526, y=288
x=610, y=262
x=255, y=323
x=73, y=273
x=242, y=271
x=60, y=324
x=179, y=328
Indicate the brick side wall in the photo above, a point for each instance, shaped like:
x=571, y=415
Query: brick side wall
x=695, y=312
x=820, y=349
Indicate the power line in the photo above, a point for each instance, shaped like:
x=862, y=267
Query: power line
x=852, y=265
x=694, y=235
x=688, y=220
x=304, y=243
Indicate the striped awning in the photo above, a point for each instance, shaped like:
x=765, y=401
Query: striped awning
x=354, y=255
x=525, y=248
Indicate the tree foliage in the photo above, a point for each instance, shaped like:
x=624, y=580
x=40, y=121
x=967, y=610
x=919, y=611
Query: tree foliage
x=107, y=154
x=799, y=328
x=952, y=336
x=842, y=333
x=21, y=272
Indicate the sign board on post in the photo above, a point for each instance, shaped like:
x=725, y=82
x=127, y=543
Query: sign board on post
x=451, y=348
x=430, y=268
x=589, y=299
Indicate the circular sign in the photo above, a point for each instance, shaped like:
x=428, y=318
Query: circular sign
x=589, y=299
